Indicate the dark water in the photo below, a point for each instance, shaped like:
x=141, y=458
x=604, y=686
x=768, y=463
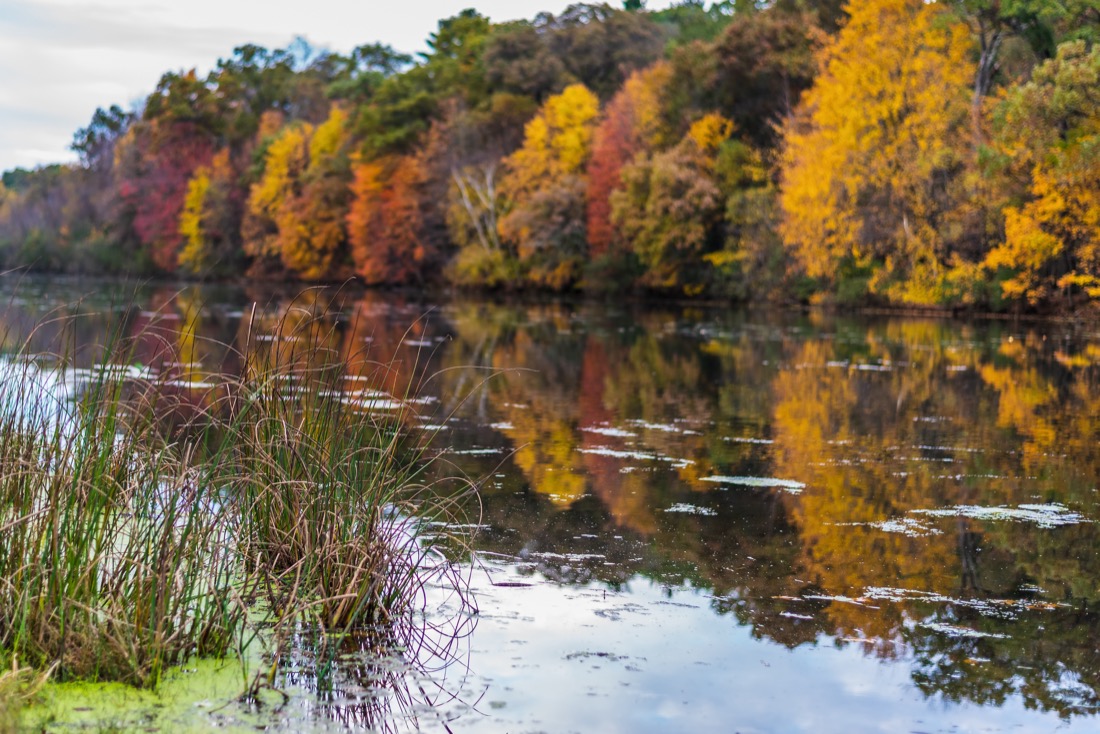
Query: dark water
x=700, y=519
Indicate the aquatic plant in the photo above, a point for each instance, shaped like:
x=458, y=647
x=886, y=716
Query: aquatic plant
x=115, y=558
x=328, y=492
x=274, y=502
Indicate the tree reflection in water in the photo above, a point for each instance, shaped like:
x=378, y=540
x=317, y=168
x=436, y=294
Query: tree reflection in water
x=612, y=444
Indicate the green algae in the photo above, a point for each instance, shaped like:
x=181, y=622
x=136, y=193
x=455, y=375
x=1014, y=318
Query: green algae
x=197, y=697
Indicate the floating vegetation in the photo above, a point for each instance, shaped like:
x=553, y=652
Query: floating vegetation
x=1000, y=608
x=863, y=601
x=690, y=509
x=617, y=454
x=1045, y=516
x=663, y=427
x=903, y=525
x=787, y=485
x=742, y=439
x=635, y=456
x=954, y=630
x=475, y=452
x=609, y=431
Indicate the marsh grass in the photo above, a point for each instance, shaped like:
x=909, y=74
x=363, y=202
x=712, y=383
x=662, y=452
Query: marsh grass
x=115, y=560
x=129, y=543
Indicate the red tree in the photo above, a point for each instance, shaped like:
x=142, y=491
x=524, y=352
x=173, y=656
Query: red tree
x=631, y=124
x=156, y=164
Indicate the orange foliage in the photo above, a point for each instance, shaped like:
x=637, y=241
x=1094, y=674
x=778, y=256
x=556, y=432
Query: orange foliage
x=384, y=221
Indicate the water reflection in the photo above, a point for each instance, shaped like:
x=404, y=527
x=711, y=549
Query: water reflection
x=921, y=493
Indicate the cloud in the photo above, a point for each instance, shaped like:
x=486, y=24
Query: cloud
x=60, y=59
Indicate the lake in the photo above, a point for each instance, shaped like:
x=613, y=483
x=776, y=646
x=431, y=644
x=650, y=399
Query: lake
x=690, y=518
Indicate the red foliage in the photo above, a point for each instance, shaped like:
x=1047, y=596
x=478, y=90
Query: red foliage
x=154, y=182
x=613, y=147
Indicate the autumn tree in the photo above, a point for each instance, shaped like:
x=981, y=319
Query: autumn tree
x=285, y=160
x=211, y=218
x=385, y=222
x=545, y=184
x=179, y=131
x=154, y=163
x=630, y=124
x=315, y=247
x=870, y=162
x=296, y=210
x=1048, y=130
x=670, y=207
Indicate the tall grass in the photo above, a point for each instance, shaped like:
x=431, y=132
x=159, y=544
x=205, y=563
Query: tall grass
x=329, y=494
x=128, y=544
x=115, y=558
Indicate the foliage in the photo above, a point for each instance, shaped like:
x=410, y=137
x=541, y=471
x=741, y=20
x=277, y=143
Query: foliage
x=631, y=123
x=297, y=208
x=1047, y=130
x=209, y=221
x=154, y=162
x=385, y=226
x=670, y=207
x=868, y=165
x=887, y=150
x=543, y=183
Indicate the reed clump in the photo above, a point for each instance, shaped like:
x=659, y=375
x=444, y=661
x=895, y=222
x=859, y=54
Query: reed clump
x=328, y=493
x=129, y=543
x=114, y=559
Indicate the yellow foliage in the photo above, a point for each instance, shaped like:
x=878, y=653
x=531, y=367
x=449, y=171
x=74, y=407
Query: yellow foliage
x=557, y=141
x=883, y=121
x=1031, y=243
x=286, y=159
x=301, y=198
x=329, y=137
x=710, y=131
x=647, y=90
x=1048, y=131
x=191, y=257
x=196, y=256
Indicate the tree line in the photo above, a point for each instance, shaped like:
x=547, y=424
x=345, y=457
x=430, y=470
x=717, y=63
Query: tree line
x=901, y=152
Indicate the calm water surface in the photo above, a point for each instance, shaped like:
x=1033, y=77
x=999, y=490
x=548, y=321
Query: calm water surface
x=698, y=519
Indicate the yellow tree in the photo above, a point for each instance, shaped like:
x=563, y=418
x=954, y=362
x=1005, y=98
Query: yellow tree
x=268, y=202
x=296, y=210
x=556, y=141
x=545, y=185
x=193, y=255
x=314, y=239
x=871, y=156
x=1049, y=129
x=210, y=219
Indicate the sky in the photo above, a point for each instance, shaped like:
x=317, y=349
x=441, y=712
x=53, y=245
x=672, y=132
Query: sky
x=61, y=59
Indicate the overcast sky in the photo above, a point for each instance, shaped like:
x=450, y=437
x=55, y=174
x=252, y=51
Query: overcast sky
x=60, y=59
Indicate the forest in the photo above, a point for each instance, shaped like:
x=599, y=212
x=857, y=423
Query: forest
x=901, y=153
